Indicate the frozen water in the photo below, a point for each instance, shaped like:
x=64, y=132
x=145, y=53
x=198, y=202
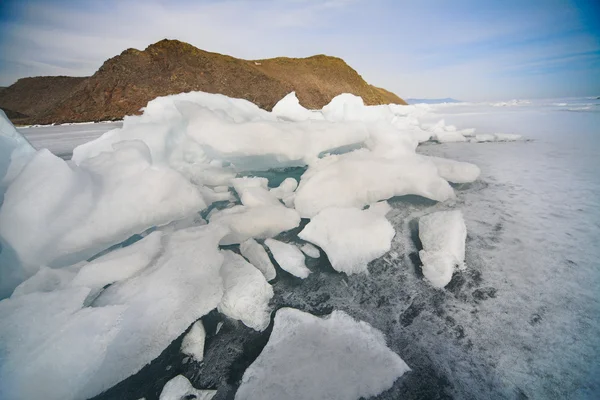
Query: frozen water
x=310, y=250
x=257, y=255
x=193, y=343
x=179, y=388
x=246, y=292
x=289, y=257
x=308, y=357
x=351, y=237
x=443, y=236
x=15, y=152
x=360, y=178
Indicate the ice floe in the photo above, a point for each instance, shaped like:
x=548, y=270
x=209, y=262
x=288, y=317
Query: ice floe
x=351, y=237
x=257, y=255
x=307, y=357
x=443, y=236
x=289, y=257
x=180, y=388
x=193, y=343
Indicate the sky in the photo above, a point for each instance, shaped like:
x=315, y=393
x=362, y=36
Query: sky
x=472, y=50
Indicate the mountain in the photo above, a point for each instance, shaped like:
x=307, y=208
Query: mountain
x=432, y=101
x=126, y=83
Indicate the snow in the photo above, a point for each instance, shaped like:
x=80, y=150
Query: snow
x=289, y=257
x=359, y=178
x=193, y=343
x=180, y=388
x=351, y=237
x=246, y=292
x=257, y=255
x=310, y=250
x=340, y=359
x=443, y=236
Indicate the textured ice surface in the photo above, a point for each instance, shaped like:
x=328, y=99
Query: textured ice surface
x=246, y=292
x=47, y=338
x=360, y=178
x=179, y=388
x=308, y=357
x=289, y=257
x=443, y=236
x=15, y=152
x=193, y=343
x=162, y=302
x=257, y=255
x=351, y=237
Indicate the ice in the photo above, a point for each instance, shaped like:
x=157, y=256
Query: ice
x=351, y=237
x=247, y=293
x=254, y=192
x=162, y=302
x=55, y=215
x=289, y=257
x=443, y=236
x=289, y=109
x=496, y=137
x=15, y=152
x=259, y=222
x=455, y=171
x=310, y=250
x=360, y=178
x=48, y=280
x=193, y=343
x=179, y=388
x=47, y=338
x=257, y=255
x=340, y=359
x=285, y=189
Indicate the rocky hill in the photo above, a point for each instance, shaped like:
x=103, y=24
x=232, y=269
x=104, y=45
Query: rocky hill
x=125, y=83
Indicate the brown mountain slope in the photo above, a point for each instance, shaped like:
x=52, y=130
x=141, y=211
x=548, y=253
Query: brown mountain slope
x=35, y=96
x=126, y=83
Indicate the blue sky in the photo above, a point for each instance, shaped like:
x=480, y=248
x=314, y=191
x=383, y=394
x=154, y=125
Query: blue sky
x=471, y=50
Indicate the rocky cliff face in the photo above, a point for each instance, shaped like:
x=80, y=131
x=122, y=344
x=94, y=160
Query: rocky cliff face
x=126, y=83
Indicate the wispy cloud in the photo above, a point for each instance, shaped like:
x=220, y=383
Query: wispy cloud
x=464, y=48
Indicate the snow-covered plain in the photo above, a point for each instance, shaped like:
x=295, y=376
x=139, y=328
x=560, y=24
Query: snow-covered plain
x=521, y=321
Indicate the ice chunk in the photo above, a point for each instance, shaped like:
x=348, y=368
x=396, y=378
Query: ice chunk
x=351, y=237
x=48, y=280
x=193, y=342
x=290, y=109
x=360, y=178
x=496, y=137
x=247, y=293
x=56, y=215
x=162, y=302
x=443, y=133
x=120, y=264
x=253, y=192
x=455, y=171
x=507, y=137
x=257, y=255
x=47, y=338
x=341, y=359
x=179, y=388
x=289, y=257
x=310, y=250
x=286, y=188
x=15, y=152
x=259, y=222
x=443, y=236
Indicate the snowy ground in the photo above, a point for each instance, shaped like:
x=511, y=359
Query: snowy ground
x=522, y=321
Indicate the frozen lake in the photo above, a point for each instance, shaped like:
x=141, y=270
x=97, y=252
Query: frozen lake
x=523, y=320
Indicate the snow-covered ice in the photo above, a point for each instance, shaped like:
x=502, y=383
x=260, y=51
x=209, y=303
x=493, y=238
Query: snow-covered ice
x=307, y=357
x=351, y=237
x=257, y=255
x=193, y=343
x=443, y=236
x=180, y=388
x=289, y=257
x=246, y=292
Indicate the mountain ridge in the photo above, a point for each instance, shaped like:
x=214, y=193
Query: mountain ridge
x=126, y=82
